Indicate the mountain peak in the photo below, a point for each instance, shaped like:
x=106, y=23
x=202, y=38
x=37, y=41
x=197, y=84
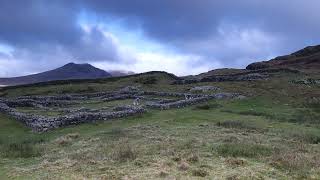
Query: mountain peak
x=68, y=71
x=72, y=64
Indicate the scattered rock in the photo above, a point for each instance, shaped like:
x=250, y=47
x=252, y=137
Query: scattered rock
x=183, y=166
x=241, y=97
x=129, y=89
x=204, y=89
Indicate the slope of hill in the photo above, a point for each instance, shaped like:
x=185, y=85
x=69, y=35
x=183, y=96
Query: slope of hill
x=305, y=59
x=68, y=71
x=271, y=132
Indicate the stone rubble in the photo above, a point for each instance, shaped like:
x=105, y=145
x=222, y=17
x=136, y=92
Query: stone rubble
x=204, y=88
x=40, y=123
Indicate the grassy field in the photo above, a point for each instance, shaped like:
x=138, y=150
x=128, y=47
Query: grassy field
x=272, y=134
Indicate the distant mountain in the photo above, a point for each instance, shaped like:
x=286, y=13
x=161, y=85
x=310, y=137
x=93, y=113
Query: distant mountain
x=119, y=73
x=305, y=59
x=68, y=71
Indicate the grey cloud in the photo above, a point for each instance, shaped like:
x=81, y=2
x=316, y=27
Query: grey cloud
x=48, y=32
x=230, y=32
x=293, y=23
x=36, y=21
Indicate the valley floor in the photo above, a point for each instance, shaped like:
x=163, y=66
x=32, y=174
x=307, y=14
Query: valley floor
x=253, y=138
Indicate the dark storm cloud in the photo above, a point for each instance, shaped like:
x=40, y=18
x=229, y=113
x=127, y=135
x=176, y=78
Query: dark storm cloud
x=293, y=23
x=176, y=19
x=49, y=31
x=24, y=22
x=232, y=33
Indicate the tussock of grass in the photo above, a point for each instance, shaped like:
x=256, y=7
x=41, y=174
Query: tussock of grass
x=296, y=162
x=193, y=158
x=67, y=139
x=200, y=172
x=147, y=80
x=21, y=149
x=183, y=166
x=253, y=113
x=115, y=132
x=124, y=151
x=243, y=150
x=309, y=114
x=307, y=136
x=188, y=144
x=235, y=162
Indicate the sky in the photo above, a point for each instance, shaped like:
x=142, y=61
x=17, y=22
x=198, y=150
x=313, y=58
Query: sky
x=178, y=36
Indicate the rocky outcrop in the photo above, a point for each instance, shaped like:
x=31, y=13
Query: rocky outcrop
x=307, y=81
x=258, y=65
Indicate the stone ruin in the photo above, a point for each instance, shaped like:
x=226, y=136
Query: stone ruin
x=152, y=99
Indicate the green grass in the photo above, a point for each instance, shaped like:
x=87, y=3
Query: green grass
x=243, y=125
x=243, y=150
x=23, y=149
x=127, y=144
x=257, y=137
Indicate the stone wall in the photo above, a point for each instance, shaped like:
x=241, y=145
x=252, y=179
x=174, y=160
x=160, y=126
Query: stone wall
x=189, y=102
x=178, y=104
x=42, y=124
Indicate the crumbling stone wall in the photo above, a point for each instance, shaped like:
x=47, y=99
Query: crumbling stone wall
x=189, y=102
x=177, y=104
x=41, y=123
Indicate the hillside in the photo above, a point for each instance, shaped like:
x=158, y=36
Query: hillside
x=264, y=128
x=307, y=59
x=68, y=71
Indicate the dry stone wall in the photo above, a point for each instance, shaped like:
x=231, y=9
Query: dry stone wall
x=40, y=123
